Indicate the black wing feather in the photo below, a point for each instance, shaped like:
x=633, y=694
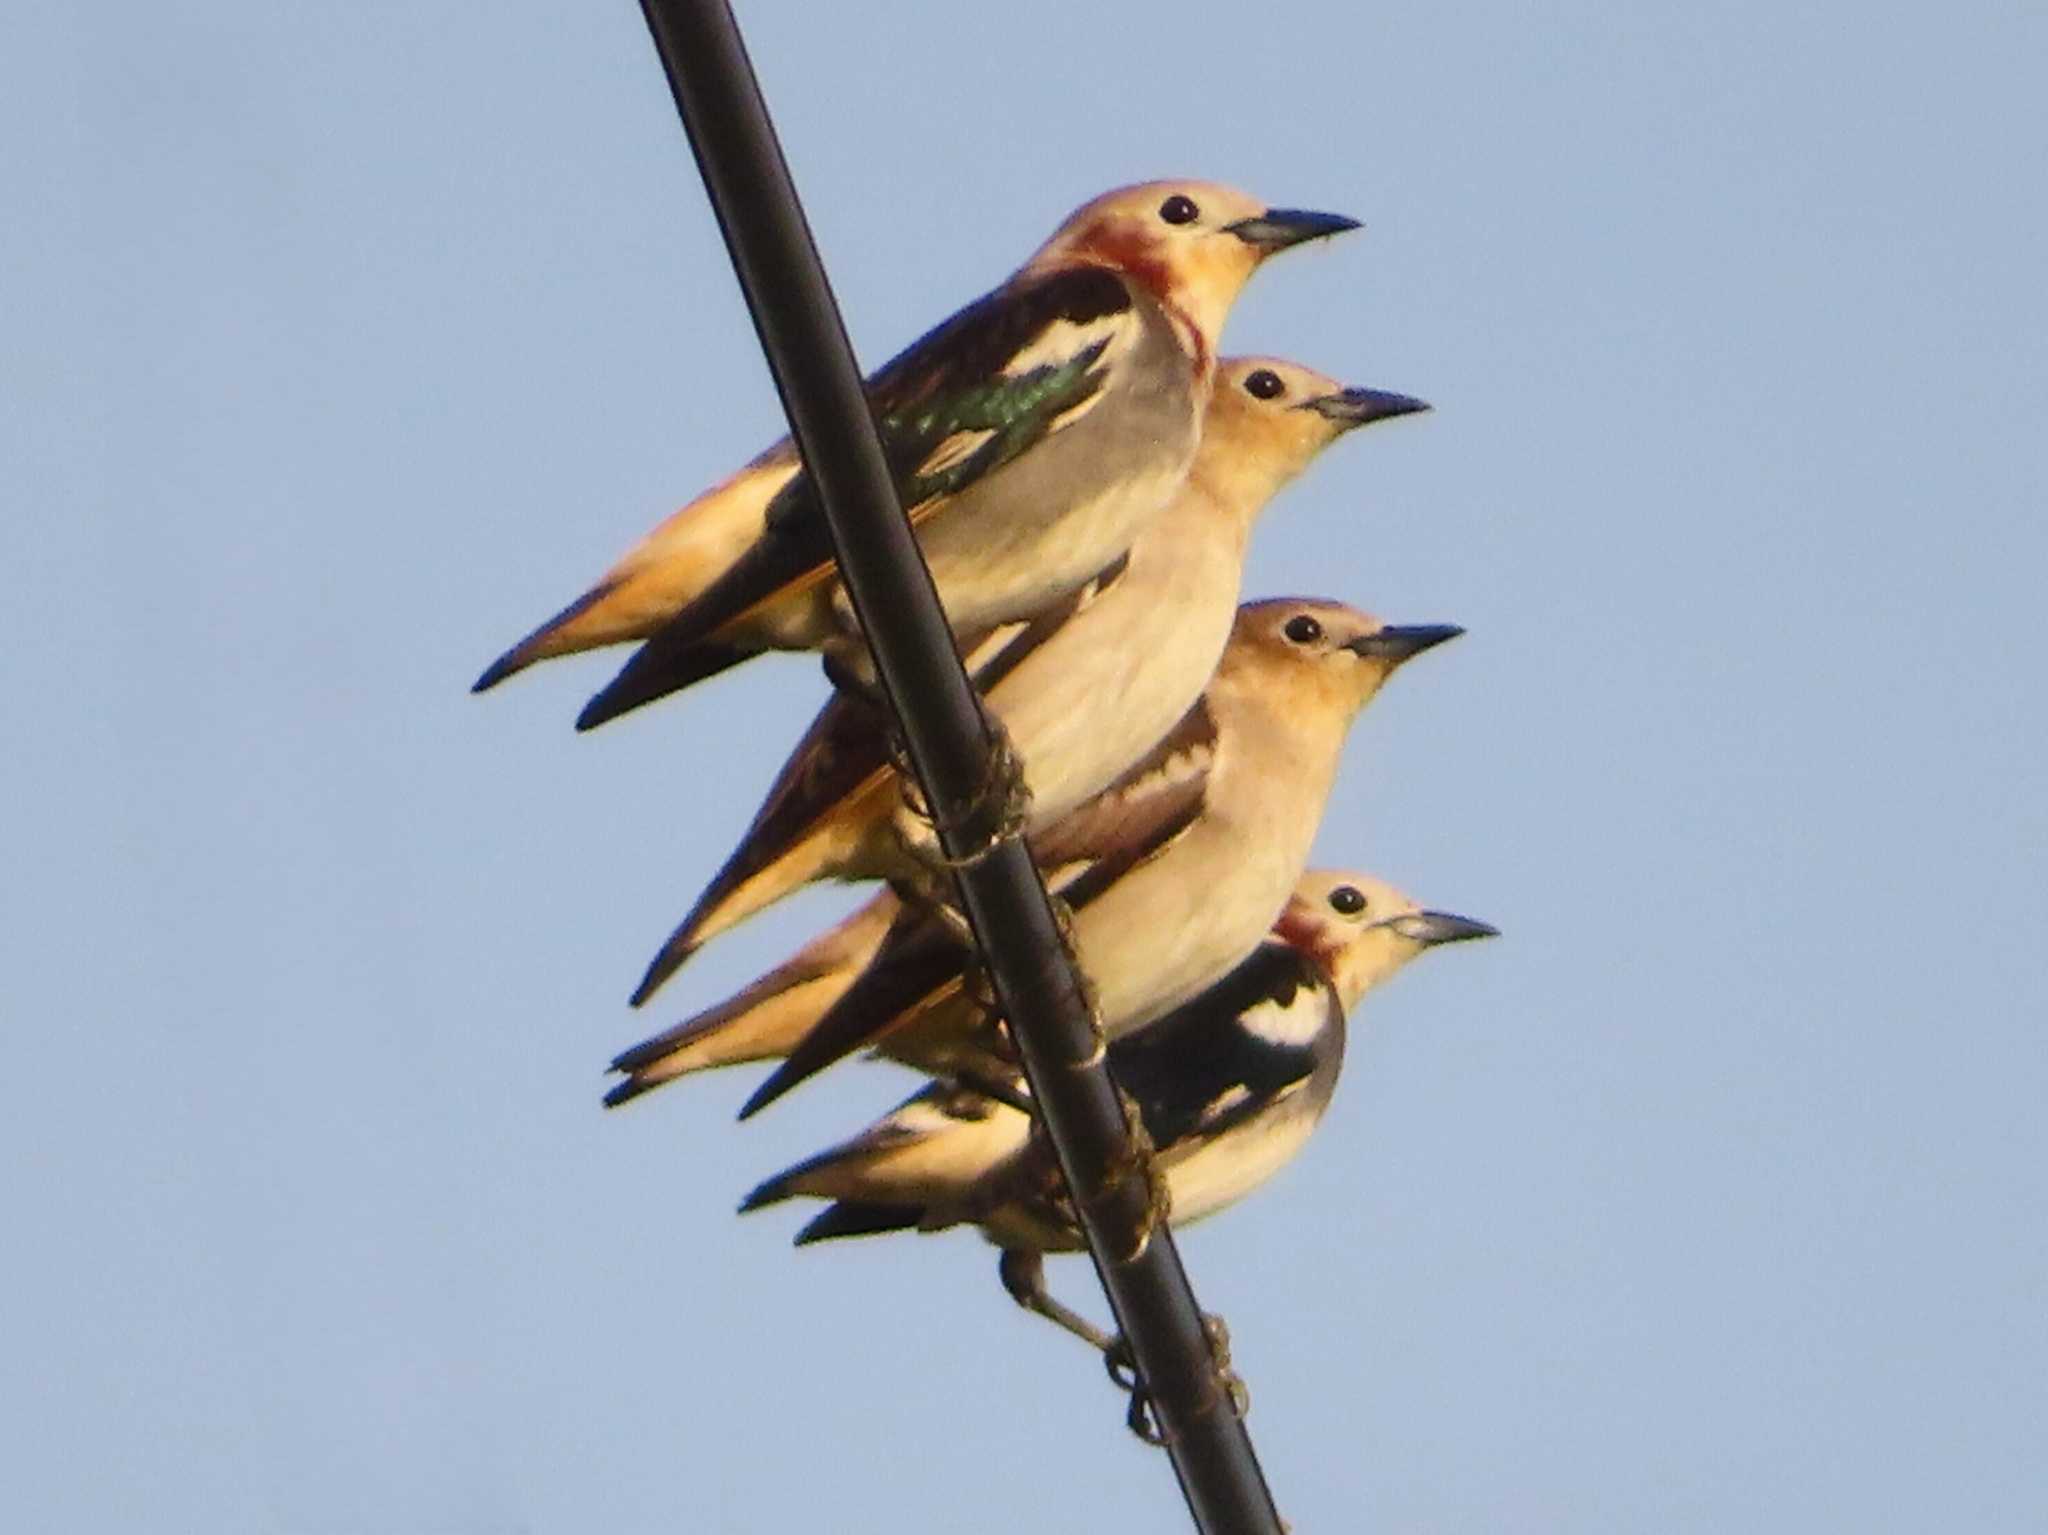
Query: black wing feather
x=948, y=381
x=1177, y=1066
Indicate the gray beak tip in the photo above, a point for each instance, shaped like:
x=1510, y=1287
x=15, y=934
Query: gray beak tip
x=1360, y=407
x=1278, y=228
x=1431, y=928
x=1403, y=642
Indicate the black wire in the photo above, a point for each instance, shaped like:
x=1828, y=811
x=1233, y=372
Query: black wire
x=805, y=341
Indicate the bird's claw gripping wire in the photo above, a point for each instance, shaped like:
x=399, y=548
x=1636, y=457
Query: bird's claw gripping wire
x=1142, y=1419
x=996, y=812
x=1135, y=1160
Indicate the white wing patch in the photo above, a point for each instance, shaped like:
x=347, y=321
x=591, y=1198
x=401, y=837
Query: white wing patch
x=956, y=449
x=1294, y=1024
x=1179, y=766
x=1226, y=1100
x=1075, y=412
x=1062, y=340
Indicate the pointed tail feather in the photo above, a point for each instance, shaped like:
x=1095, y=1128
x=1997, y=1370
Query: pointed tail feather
x=556, y=637
x=621, y=1093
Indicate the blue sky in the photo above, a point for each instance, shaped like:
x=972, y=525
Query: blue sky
x=339, y=346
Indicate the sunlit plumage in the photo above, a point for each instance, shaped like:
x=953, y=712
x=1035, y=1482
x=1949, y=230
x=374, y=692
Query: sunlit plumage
x=1029, y=436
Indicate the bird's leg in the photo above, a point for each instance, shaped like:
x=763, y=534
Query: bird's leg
x=1023, y=1275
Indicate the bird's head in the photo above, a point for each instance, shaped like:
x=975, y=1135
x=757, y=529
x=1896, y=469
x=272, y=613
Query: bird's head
x=1192, y=243
x=1314, y=649
x=1268, y=419
x=1360, y=930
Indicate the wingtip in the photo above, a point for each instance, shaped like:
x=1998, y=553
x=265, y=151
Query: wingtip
x=596, y=713
x=820, y=1228
x=622, y=1093
x=780, y=1082
x=851, y=1218
x=664, y=665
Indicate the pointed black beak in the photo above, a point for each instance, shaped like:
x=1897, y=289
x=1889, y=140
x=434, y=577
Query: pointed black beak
x=1278, y=228
x=1429, y=928
x=1402, y=642
x=1358, y=407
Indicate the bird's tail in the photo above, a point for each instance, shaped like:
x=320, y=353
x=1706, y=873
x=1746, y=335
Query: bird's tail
x=766, y=1020
x=661, y=575
x=915, y=966
x=924, y=1164
x=775, y=861
x=585, y=624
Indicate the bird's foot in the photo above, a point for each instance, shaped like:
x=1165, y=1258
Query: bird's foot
x=1143, y=1419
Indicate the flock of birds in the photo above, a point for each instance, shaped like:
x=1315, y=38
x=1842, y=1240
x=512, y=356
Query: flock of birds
x=1083, y=474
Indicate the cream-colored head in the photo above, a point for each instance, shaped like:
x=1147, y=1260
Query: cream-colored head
x=1192, y=243
x=1317, y=654
x=1268, y=419
x=1360, y=930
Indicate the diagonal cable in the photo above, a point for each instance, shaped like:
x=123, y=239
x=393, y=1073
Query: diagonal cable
x=949, y=744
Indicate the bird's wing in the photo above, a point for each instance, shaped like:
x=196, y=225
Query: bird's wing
x=658, y=668
x=1005, y=373
x=1133, y=820
x=1220, y=1059
x=1022, y=641
x=851, y=1218
x=1139, y=816
x=842, y=758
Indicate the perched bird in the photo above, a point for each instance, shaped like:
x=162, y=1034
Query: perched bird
x=1029, y=436
x=1172, y=874
x=1228, y=1086
x=1084, y=690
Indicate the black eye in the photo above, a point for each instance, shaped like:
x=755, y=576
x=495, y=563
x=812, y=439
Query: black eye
x=1179, y=210
x=1346, y=898
x=1303, y=630
x=1264, y=385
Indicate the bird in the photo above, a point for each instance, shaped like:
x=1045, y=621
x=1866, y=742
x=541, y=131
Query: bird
x=1228, y=1086
x=1084, y=690
x=1172, y=874
x=1028, y=435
